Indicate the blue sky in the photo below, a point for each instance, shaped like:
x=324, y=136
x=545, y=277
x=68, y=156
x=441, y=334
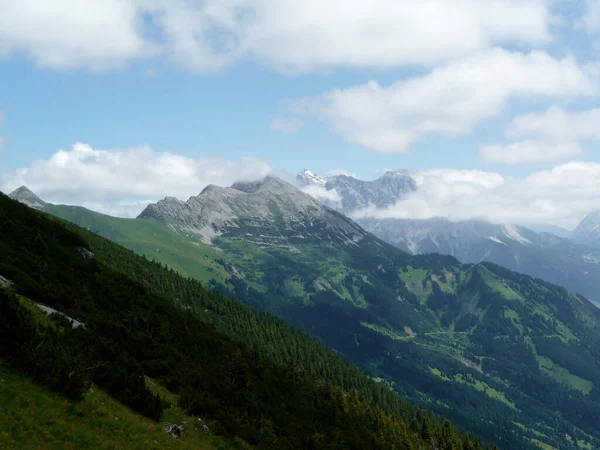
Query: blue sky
x=226, y=114
x=504, y=87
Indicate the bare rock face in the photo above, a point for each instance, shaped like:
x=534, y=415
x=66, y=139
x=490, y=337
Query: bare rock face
x=355, y=194
x=174, y=430
x=588, y=231
x=269, y=212
x=25, y=196
x=5, y=282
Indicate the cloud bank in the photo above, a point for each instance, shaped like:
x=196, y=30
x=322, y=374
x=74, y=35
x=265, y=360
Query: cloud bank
x=560, y=196
x=123, y=181
x=294, y=36
x=451, y=100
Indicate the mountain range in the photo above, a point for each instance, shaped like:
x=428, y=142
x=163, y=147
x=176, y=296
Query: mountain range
x=571, y=262
x=475, y=342
x=204, y=370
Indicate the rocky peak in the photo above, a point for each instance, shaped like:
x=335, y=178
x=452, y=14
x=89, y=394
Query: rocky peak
x=27, y=197
x=588, y=231
x=270, y=209
x=357, y=194
x=308, y=178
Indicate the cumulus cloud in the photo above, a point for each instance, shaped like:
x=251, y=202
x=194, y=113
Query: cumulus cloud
x=547, y=137
x=286, y=126
x=65, y=34
x=288, y=35
x=560, y=196
x=591, y=17
x=334, y=172
x=451, y=100
x=529, y=152
x=123, y=181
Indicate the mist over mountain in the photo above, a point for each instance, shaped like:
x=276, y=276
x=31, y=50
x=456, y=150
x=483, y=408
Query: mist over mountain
x=473, y=342
x=588, y=231
x=573, y=263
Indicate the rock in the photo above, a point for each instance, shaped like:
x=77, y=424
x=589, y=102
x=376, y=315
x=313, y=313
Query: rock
x=5, y=281
x=27, y=197
x=174, y=430
x=85, y=253
x=48, y=311
x=269, y=213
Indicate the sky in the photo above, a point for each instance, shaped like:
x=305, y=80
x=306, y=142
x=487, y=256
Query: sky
x=112, y=104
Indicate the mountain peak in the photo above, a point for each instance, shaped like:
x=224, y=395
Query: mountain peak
x=309, y=178
x=589, y=229
x=270, y=183
x=268, y=212
x=358, y=194
x=27, y=197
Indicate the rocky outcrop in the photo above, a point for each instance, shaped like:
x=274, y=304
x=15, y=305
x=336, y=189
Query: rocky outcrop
x=588, y=231
x=25, y=196
x=267, y=212
x=174, y=430
x=5, y=282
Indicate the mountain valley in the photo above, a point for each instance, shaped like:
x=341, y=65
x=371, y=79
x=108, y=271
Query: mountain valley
x=477, y=343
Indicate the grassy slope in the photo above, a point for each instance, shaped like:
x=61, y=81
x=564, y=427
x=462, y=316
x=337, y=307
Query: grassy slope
x=33, y=417
x=447, y=351
x=149, y=238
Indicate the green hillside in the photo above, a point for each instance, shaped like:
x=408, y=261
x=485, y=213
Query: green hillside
x=498, y=352
x=135, y=340
x=34, y=417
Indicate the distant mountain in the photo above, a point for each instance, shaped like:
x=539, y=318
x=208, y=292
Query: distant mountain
x=308, y=178
x=552, y=229
x=25, y=196
x=573, y=264
x=588, y=231
x=358, y=194
x=270, y=212
x=481, y=344
x=153, y=338
x=544, y=255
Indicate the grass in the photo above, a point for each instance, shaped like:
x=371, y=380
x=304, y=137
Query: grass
x=498, y=285
x=385, y=331
x=33, y=417
x=563, y=375
x=514, y=317
x=486, y=389
x=150, y=238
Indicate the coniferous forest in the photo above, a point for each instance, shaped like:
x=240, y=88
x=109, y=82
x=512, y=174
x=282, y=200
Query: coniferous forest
x=258, y=382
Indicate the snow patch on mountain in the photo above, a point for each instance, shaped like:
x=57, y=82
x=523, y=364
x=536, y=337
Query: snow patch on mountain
x=498, y=241
x=308, y=178
x=512, y=232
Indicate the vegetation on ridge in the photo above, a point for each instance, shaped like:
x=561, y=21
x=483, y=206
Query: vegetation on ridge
x=485, y=346
x=132, y=332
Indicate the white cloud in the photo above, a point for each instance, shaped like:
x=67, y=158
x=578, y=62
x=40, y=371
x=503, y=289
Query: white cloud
x=65, y=34
x=334, y=172
x=123, y=181
x=548, y=137
x=451, y=100
x=289, y=35
x=306, y=35
x=330, y=198
x=561, y=196
x=556, y=123
x=591, y=18
x=530, y=152
x=287, y=125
